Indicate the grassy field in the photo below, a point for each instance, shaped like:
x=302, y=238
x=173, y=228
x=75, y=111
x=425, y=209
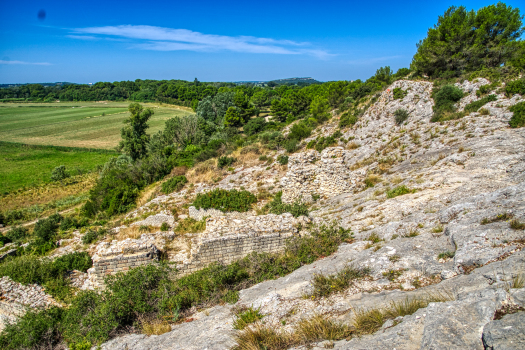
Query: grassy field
x=74, y=124
x=27, y=166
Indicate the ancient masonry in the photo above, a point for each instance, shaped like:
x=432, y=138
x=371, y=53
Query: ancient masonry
x=16, y=298
x=226, y=239
x=114, y=257
x=326, y=174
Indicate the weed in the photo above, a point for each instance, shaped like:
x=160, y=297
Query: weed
x=190, y=225
x=391, y=275
x=398, y=191
x=394, y=258
x=518, y=281
x=499, y=217
x=412, y=233
x=261, y=337
x=319, y=327
x=164, y=227
x=374, y=238
x=401, y=115
x=326, y=285
x=245, y=317
x=282, y=159
x=517, y=225
x=446, y=255
x=437, y=229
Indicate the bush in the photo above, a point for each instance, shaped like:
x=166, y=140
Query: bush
x=17, y=234
x=322, y=142
x=476, y=105
x=515, y=87
x=69, y=222
x=92, y=235
x=224, y=200
x=347, y=119
x=518, y=116
x=225, y=161
x=282, y=159
x=445, y=99
x=291, y=145
x=399, y=93
x=398, y=191
x=254, y=126
x=299, y=131
x=401, y=115
x=59, y=173
x=174, y=184
x=164, y=227
x=278, y=207
x=245, y=317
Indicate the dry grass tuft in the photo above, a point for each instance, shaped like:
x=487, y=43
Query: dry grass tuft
x=368, y=321
x=261, y=337
x=319, y=328
x=155, y=327
x=132, y=232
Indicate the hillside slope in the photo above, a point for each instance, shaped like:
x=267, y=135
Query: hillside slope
x=435, y=188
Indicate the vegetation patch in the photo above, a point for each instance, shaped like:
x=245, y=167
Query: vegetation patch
x=324, y=285
x=245, y=316
x=518, y=115
x=401, y=115
x=174, y=184
x=399, y=93
x=476, y=105
x=398, y=191
x=225, y=200
x=499, y=217
x=446, y=255
x=276, y=206
x=150, y=291
x=445, y=99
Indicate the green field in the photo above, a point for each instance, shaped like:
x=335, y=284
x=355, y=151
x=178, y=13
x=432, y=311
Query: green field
x=74, y=124
x=24, y=166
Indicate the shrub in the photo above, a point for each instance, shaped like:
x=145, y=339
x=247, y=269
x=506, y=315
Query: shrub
x=263, y=158
x=17, y=234
x=246, y=316
x=476, y=105
x=518, y=116
x=92, y=235
x=445, y=99
x=190, y=225
x=174, y=184
x=401, y=115
x=278, y=207
x=322, y=142
x=347, y=119
x=59, y=173
x=225, y=161
x=254, y=126
x=399, y=93
x=224, y=200
x=164, y=227
x=515, y=87
x=282, y=159
x=299, y=131
x=291, y=145
x=398, y=191
x=69, y=222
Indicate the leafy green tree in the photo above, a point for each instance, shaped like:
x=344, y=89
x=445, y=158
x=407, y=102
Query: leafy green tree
x=467, y=41
x=319, y=107
x=260, y=98
x=337, y=93
x=280, y=109
x=134, y=138
x=233, y=117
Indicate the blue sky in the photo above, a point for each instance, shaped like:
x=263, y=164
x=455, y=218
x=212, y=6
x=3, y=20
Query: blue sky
x=86, y=42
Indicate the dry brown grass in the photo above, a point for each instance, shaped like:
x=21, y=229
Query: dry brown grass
x=43, y=194
x=155, y=327
x=133, y=232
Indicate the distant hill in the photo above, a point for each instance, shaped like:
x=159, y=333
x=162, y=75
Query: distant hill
x=43, y=84
x=294, y=81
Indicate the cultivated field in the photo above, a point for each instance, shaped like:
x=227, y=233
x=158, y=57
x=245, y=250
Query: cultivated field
x=27, y=166
x=74, y=124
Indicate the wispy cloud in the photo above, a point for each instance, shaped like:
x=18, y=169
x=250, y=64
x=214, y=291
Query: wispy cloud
x=23, y=62
x=169, y=39
x=83, y=37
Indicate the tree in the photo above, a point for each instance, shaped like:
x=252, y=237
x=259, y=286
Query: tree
x=467, y=41
x=134, y=138
x=336, y=93
x=319, y=107
x=260, y=98
x=233, y=117
x=184, y=131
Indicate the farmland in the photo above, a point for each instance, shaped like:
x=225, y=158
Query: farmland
x=74, y=124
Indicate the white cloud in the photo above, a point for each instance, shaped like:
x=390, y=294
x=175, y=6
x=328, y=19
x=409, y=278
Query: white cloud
x=82, y=37
x=23, y=62
x=169, y=39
